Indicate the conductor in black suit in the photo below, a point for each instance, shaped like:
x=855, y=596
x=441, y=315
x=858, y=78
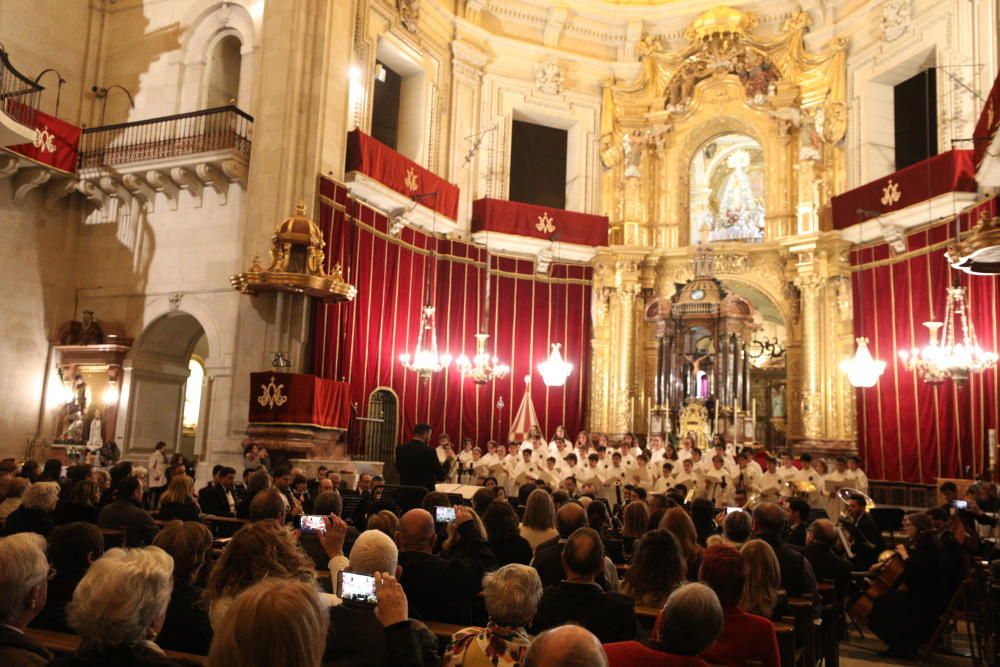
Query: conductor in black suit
x=417, y=463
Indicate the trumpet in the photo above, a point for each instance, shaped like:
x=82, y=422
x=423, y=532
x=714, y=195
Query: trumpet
x=800, y=487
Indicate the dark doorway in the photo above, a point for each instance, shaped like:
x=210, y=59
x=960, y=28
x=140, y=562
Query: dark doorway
x=385, y=106
x=915, y=115
x=538, y=164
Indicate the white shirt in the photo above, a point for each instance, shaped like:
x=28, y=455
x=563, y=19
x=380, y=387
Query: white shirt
x=770, y=486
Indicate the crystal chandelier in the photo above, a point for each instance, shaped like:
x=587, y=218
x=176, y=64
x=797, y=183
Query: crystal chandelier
x=862, y=370
x=951, y=358
x=555, y=370
x=483, y=367
x=426, y=359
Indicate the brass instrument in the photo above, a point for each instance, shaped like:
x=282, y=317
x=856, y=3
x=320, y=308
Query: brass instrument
x=753, y=499
x=846, y=494
x=800, y=487
x=691, y=494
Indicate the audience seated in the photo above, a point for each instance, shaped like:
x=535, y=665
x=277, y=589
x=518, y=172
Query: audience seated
x=424, y=572
x=258, y=551
x=82, y=503
x=24, y=573
x=12, y=492
x=826, y=564
x=385, y=521
x=272, y=623
x=736, y=530
x=512, y=594
x=703, y=519
x=327, y=503
x=268, y=505
x=797, y=577
x=481, y=500
x=186, y=627
x=178, y=501
x=72, y=548
x=688, y=625
x=798, y=522
x=548, y=556
x=538, y=525
x=634, y=520
x=565, y=646
x=579, y=599
x=762, y=590
x=745, y=637
x=126, y=513
x=501, y=525
x=35, y=513
x=219, y=497
x=259, y=481
x=356, y=636
x=51, y=471
x=598, y=519
x=657, y=569
x=118, y=610
x=677, y=522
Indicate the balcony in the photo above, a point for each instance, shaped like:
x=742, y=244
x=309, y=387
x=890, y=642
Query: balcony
x=19, y=98
x=130, y=163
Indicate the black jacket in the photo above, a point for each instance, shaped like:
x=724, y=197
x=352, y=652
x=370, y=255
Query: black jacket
x=447, y=589
x=53, y=616
x=610, y=616
x=180, y=511
x=515, y=549
x=796, y=536
x=828, y=566
x=356, y=638
x=89, y=655
x=186, y=628
x=23, y=520
x=126, y=514
x=17, y=650
x=213, y=500
x=70, y=512
x=418, y=465
x=548, y=564
x=796, y=574
x=865, y=531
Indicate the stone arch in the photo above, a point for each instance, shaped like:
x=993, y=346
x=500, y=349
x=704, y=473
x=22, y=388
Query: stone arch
x=208, y=22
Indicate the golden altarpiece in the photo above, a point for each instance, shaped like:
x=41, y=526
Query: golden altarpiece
x=735, y=139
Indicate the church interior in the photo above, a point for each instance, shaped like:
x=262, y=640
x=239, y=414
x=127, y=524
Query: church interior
x=658, y=252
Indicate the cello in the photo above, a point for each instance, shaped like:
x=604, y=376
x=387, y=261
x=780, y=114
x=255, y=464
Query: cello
x=888, y=574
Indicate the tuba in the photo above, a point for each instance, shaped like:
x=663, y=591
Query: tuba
x=801, y=488
x=753, y=499
x=846, y=494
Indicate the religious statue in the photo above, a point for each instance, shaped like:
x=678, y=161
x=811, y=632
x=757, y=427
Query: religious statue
x=74, y=431
x=409, y=13
x=632, y=150
x=96, y=439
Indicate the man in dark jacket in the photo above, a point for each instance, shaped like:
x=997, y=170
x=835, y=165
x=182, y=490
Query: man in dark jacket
x=548, y=556
x=868, y=543
x=417, y=463
x=126, y=514
x=797, y=576
x=579, y=599
x=444, y=587
x=827, y=565
x=219, y=498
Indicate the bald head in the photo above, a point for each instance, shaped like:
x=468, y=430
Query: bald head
x=569, y=518
x=822, y=531
x=565, y=646
x=416, y=531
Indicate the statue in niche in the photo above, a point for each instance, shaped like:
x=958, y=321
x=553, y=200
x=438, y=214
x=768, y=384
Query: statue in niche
x=740, y=213
x=85, y=332
x=96, y=439
x=632, y=152
x=777, y=401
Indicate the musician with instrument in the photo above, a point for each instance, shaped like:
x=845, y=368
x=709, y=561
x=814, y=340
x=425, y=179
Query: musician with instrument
x=905, y=610
x=798, y=522
x=866, y=536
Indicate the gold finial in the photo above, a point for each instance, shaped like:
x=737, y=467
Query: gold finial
x=300, y=208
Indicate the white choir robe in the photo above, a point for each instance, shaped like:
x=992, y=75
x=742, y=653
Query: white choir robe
x=525, y=473
x=690, y=480
x=770, y=486
x=721, y=489
x=683, y=454
x=833, y=505
x=756, y=467
x=592, y=476
x=663, y=484
x=815, y=499
x=480, y=468
x=614, y=474
x=860, y=480
x=750, y=479
x=510, y=464
x=641, y=476
x=570, y=471
x=551, y=477
x=656, y=456
x=787, y=474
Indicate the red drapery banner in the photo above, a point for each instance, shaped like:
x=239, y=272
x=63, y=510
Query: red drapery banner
x=989, y=119
x=360, y=342
x=938, y=175
x=511, y=217
x=398, y=172
x=56, y=143
x=298, y=400
x=909, y=430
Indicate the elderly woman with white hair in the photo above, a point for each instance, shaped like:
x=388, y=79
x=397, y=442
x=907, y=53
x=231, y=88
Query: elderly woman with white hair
x=24, y=575
x=35, y=513
x=512, y=594
x=118, y=609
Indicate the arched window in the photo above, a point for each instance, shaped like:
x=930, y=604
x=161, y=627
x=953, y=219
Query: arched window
x=224, y=72
x=192, y=394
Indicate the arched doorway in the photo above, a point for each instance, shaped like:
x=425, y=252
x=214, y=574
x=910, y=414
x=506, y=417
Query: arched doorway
x=162, y=404
x=380, y=437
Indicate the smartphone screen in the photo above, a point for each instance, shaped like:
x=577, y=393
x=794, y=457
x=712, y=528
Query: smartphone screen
x=733, y=510
x=444, y=514
x=356, y=587
x=961, y=504
x=312, y=523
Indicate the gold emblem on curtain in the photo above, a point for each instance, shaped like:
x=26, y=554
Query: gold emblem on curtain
x=271, y=396
x=891, y=193
x=545, y=223
x=411, y=182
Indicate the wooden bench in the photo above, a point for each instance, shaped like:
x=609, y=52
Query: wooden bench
x=786, y=643
x=61, y=644
x=805, y=628
x=113, y=538
x=223, y=526
x=443, y=632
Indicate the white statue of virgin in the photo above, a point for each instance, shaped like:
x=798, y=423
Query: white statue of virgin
x=96, y=440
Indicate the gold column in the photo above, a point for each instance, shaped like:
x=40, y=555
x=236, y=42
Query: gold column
x=811, y=286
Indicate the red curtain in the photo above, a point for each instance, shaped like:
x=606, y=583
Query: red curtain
x=909, y=430
x=360, y=342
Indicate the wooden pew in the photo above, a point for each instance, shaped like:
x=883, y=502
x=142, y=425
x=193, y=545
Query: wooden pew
x=786, y=643
x=113, y=538
x=223, y=526
x=443, y=632
x=805, y=628
x=61, y=644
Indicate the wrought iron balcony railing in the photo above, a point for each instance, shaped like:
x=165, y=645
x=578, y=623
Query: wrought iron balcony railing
x=166, y=137
x=19, y=95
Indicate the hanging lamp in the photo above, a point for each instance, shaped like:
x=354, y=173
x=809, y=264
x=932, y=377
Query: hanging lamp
x=483, y=367
x=862, y=369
